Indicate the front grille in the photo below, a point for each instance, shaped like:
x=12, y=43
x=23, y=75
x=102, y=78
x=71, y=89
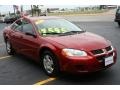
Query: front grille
x=108, y=48
x=100, y=58
x=99, y=51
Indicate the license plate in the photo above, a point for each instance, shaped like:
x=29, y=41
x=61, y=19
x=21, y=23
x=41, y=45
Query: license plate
x=109, y=60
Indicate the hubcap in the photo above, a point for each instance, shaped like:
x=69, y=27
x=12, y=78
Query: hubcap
x=48, y=63
x=8, y=47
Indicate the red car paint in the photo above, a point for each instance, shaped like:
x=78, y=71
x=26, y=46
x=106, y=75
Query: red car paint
x=86, y=41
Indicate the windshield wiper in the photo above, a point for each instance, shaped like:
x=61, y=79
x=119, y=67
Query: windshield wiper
x=71, y=33
x=50, y=33
x=63, y=34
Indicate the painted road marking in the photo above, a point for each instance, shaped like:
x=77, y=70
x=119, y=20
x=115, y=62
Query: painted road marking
x=45, y=81
x=38, y=83
x=4, y=57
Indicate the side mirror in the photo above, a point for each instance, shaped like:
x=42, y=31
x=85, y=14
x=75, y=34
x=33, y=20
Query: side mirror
x=82, y=28
x=30, y=34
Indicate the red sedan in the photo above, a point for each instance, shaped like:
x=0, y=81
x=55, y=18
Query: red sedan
x=58, y=45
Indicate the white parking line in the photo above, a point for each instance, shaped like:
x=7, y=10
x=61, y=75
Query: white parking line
x=4, y=57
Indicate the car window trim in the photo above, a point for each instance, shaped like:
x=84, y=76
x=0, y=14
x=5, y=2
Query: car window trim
x=14, y=23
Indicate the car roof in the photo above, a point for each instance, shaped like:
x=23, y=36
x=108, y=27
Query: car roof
x=34, y=19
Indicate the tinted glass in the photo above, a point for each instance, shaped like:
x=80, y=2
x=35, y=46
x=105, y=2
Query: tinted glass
x=17, y=26
x=28, y=28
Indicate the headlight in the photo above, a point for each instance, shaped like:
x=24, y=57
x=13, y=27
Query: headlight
x=111, y=44
x=112, y=47
x=73, y=52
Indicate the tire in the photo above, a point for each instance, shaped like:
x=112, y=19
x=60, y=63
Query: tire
x=9, y=48
x=50, y=63
x=119, y=24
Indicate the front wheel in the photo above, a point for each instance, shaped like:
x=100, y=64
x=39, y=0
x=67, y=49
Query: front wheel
x=50, y=63
x=9, y=48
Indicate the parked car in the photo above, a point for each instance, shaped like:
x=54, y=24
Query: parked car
x=117, y=16
x=58, y=45
x=11, y=18
x=2, y=19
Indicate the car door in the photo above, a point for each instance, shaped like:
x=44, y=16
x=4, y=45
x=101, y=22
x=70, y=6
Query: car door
x=30, y=43
x=16, y=35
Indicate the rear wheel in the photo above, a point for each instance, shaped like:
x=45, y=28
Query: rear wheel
x=9, y=48
x=50, y=63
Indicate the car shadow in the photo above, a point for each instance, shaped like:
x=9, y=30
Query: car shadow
x=27, y=60
x=96, y=78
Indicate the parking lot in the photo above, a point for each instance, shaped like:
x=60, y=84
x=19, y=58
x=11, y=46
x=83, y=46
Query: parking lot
x=18, y=69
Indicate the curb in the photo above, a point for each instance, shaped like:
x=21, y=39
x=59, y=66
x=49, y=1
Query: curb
x=98, y=14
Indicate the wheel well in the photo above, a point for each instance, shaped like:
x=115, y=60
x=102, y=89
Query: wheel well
x=46, y=48
x=41, y=52
x=43, y=49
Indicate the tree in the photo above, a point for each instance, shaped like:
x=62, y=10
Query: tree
x=35, y=9
x=32, y=10
x=48, y=10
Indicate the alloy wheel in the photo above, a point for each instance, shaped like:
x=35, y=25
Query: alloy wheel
x=48, y=64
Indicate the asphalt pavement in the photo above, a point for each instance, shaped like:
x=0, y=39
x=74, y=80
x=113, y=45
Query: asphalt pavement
x=20, y=70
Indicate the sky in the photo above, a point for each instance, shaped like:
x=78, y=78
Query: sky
x=9, y=8
x=60, y=2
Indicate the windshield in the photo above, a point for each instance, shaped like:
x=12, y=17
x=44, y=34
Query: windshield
x=56, y=27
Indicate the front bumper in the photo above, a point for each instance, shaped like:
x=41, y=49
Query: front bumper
x=86, y=64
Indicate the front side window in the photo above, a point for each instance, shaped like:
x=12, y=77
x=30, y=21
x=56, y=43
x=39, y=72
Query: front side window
x=28, y=28
x=23, y=26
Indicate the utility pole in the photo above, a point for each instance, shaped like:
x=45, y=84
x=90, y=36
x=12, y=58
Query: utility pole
x=9, y=12
x=21, y=8
x=32, y=10
x=14, y=9
x=38, y=10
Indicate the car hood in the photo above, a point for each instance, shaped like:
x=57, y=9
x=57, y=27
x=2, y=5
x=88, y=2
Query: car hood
x=85, y=41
